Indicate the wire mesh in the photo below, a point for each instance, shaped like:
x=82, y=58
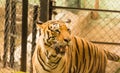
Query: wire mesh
x=91, y=4
x=103, y=4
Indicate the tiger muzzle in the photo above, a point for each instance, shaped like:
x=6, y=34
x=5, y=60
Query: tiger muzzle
x=61, y=49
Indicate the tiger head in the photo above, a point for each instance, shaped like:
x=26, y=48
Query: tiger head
x=55, y=35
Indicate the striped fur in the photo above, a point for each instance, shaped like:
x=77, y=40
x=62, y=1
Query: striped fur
x=57, y=51
x=87, y=57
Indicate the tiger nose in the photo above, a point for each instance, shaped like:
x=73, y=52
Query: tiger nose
x=67, y=40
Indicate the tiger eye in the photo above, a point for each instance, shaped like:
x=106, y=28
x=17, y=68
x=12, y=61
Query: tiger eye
x=58, y=31
x=69, y=30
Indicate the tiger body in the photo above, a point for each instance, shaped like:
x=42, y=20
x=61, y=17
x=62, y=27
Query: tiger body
x=58, y=51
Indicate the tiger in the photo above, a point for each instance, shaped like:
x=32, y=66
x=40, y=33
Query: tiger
x=59, y=51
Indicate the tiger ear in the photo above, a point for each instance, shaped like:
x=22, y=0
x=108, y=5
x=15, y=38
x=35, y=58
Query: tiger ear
x=68, y=21
x=40, y=25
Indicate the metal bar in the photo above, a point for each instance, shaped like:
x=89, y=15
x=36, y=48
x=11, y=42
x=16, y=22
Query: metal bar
x=44, y=10
x=34, y=31
x=12, y=31
x=102, y=10
x=78, y=3
x=6, y=31
x=106, y=43
x=24, y=35
x=50, y=9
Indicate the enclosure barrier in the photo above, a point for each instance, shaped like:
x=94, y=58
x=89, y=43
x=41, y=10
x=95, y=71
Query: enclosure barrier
x=88, y=9
x=24, y=35
x=6, y=31
x=12, y=32
x=47, y=8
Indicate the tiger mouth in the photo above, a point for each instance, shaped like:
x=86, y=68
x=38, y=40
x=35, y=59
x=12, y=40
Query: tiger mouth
x=61, y=49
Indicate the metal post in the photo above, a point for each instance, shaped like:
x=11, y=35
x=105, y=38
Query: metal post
x=78, y=3
x=51, y=4
x=24, y=35
x=12, y=32
x=50, y=10
x=6, y=31
x=44, y=10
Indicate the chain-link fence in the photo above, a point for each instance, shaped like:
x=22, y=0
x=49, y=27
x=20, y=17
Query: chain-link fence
x=95, y=20
x=11, y=32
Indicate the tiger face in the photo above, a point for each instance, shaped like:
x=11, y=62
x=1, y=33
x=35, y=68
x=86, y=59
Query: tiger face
x=55, y=36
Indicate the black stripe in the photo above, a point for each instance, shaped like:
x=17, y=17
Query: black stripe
x=41, y=63
x=70, y=66
x=74, y=71
x=48, y=36
x=99, y=67
x=46, y=40
x=63, y=67
x=44, y=34
x=95, y=49
x=40, y=58
x=84, y=60
x=63, y=71
x=56, y=64
x=79, y=67
x=105, y=62
x=92, y=49
x=76, y=56
x=58, y=61
x=77, y=45
x=49, y=28
x=89, y=52
x=77, y=52
x=84, y=66
x=83, y=50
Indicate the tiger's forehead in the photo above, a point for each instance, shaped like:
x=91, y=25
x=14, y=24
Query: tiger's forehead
x=51, y=22
x=61, y=23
